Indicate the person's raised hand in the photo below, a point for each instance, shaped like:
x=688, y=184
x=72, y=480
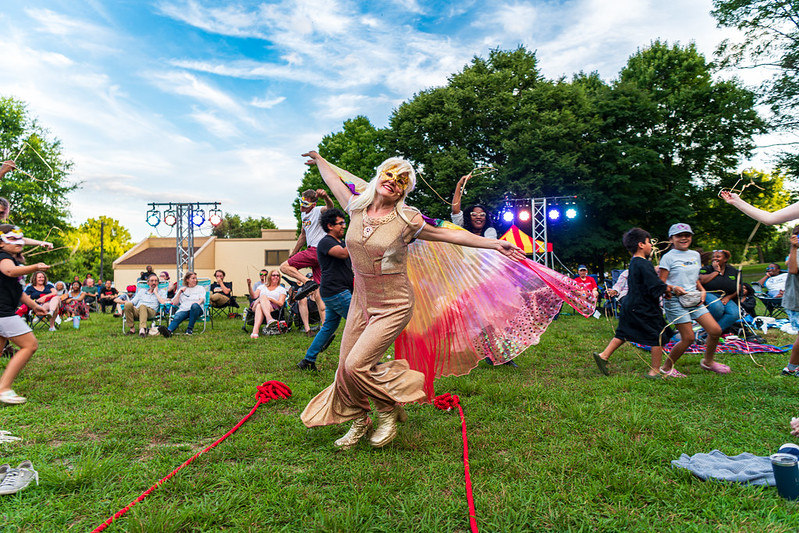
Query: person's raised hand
x=312, y=156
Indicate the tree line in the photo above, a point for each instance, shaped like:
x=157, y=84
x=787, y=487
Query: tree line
x=650, y=148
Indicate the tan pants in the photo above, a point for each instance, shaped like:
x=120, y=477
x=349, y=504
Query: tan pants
x=219, y=300
x=142, y=313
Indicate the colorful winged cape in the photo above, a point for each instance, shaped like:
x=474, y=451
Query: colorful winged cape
x=473, y=303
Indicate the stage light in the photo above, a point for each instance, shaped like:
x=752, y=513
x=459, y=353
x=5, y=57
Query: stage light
x=198, y=217
x=152, y=218
x=170, y=219
x=507, y=216
x=215, y=217
x=553, y=214
x=571, y=213
x=524, y=216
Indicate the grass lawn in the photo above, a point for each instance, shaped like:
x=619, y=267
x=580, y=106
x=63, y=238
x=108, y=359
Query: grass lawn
x=554, y=445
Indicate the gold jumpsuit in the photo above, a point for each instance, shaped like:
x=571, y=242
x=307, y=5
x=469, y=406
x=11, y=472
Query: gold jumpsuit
x=381, y=307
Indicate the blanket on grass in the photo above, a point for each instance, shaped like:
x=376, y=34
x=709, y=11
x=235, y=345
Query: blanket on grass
x=741, y=468
x=730, y=346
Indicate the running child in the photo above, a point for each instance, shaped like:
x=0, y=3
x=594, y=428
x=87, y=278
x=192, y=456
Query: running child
x=641, y=319
x=679, y=267
x=13, y=327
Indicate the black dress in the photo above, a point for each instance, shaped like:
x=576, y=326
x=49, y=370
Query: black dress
x=641, y=318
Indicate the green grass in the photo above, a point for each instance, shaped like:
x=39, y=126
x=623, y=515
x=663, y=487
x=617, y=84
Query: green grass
x=554, y=445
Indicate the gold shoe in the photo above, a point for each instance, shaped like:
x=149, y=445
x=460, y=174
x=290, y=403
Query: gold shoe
x=360, y=426
x=387, y=426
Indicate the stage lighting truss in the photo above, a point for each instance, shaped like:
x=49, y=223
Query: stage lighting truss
x=524, y=215
x=170, y=217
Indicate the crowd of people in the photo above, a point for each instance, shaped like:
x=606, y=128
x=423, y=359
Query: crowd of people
x=361, y=275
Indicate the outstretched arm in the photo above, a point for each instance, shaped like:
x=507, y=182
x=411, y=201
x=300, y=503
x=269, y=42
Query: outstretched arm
x=6, y=167
x=456, y=196
x=337, y=187
x=780, y=216
x=467, y=238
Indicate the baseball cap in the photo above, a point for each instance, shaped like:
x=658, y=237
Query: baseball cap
x=131, y=288
x=582, y=267
x=680, y=227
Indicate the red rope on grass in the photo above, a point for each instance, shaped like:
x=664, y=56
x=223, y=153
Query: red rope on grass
x=271, y=390
x=446, y=402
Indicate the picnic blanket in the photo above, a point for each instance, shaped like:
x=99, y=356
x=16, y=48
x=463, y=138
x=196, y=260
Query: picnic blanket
x=729, y=346
x=741, y=468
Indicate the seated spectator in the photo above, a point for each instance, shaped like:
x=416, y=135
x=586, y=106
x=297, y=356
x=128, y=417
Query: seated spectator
x=748, y=301
x=588, y=283
x=61, y=289
x=172, y=286
x=91, y=291
x=74, y=304
x=720, y=280
x=44, y=293
x=144, y=305
x=268, y=299
x=106, y=295
x=774, y=281
x=124, y=298
x=146, y=274
x=189, y=299
x=619, y=289
x=222, y=291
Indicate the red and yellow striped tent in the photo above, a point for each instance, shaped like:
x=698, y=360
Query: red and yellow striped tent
x=525, y=242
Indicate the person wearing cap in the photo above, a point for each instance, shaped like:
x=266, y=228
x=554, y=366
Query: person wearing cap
x=679, y=268
x=588, y=283
x=12, y=326
x=130, y=292
x=774, y=281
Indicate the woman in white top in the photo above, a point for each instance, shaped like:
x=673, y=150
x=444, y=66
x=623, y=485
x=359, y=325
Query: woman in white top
x=189, y=299
x=268, y=297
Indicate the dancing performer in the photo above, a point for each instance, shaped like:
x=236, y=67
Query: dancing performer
x=381, y=226
x=13, y=327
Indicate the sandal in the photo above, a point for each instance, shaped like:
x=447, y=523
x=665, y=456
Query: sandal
x=602, y=364
x=718, y=368
x=673, y=373
x=253, y=335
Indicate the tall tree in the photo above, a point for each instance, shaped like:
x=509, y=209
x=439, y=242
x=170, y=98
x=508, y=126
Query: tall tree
x=233, y=227
x=770, y=41
x=39, y=204
x=84, y=243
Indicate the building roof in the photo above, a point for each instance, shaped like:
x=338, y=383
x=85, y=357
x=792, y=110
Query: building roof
x=153, y=256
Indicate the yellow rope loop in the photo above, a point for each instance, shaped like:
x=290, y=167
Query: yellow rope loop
x=735, y=190
x=31, y=176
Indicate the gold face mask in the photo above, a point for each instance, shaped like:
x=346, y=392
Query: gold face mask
x=401, y=178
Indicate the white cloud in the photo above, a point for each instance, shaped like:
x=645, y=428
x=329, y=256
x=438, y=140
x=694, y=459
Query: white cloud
x=267, y=103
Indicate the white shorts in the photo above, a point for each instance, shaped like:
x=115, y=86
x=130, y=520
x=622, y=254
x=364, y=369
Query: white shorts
x=13, y=326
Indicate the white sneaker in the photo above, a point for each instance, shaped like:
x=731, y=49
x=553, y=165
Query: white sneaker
x=52, y=328
x=18, y=478
x=11, y=397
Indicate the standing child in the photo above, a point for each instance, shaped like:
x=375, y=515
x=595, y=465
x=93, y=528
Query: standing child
x=641, y=319
x=790, y=302
x=12, y=327
x=680, y=268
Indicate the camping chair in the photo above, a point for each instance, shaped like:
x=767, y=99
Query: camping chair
x=284, y=317
x=225, y=311
x=773, y=305
x=160, y=314
x=205, y=317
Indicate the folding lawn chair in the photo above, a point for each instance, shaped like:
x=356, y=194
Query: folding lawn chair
x=773, y=305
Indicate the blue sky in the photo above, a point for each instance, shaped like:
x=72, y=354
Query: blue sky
x=198, y=100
